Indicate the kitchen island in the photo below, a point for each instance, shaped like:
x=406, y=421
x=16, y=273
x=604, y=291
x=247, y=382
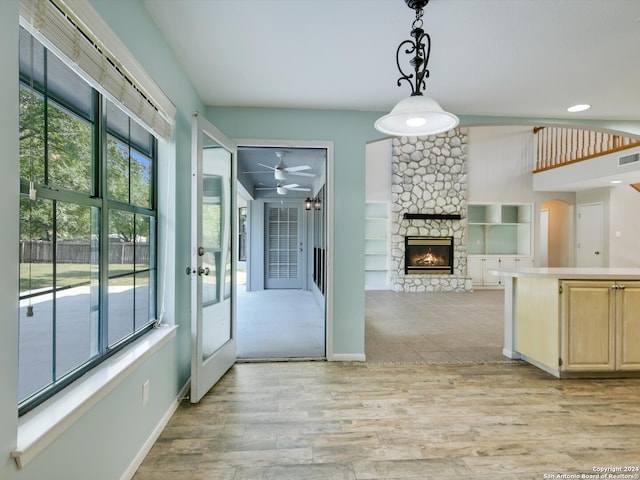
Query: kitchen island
x=574, y=322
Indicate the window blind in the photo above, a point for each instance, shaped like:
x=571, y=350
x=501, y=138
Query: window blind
x=73, y=30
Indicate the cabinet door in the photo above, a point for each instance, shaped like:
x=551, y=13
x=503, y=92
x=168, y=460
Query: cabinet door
x=490, y=263
x=588, y=326
x=474, y=269
x=628, y=322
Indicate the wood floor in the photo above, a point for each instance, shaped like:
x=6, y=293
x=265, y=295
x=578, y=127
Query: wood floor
x=435, y=400
x=320, y=420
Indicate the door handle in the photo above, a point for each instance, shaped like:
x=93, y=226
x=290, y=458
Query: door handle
x=188, y=271
x=203, y=271
x=597, y=252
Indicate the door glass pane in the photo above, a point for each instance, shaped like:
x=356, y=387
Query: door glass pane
x=117, y=170
x=216, y=237
x=283, y=242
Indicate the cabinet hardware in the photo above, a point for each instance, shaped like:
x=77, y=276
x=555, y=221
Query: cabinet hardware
x=559, y=362
x=560, y=290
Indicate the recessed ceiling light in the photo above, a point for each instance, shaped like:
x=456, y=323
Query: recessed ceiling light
x=578, y=108
x=615, y=181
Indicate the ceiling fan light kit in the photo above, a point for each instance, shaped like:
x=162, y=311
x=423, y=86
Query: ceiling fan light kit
x=417, y=115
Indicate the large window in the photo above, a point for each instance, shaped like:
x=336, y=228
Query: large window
x=87, y=226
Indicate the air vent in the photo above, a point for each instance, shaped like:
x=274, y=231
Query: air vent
x=627, y=159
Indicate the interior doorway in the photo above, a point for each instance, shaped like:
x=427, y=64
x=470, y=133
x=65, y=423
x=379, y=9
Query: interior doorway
x=590, y=235
x=281, y=310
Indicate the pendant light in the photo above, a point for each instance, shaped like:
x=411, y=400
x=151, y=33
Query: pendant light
x=417, y=115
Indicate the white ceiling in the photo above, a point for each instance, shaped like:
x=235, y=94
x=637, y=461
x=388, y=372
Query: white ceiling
x=530, y=58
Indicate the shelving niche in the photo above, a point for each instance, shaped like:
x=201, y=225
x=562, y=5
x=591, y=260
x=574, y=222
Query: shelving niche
x=499, y=237
x=377, y=245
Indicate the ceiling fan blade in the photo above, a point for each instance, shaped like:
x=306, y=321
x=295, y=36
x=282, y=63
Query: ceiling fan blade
x=264, y=188
x=267, y=166
x=299, y=189
x=297, y=169
x=301, y=174
x=260, y=171
x=290, y=185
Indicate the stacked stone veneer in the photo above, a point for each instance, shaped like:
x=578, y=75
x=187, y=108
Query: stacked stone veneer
x=430, y=176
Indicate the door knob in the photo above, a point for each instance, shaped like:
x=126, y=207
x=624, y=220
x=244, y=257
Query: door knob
x=597, y=252
x=203, y=271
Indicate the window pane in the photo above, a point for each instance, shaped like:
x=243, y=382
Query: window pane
x=117, y=170
x=67, y=87
x=31, y=61
x=76, y=314
x=141, y=139
x=140, y=180
x=35, y=347
x=121, y=275
x=117, y=121
x=31, y=136
x=69, y=141
x=144, y=311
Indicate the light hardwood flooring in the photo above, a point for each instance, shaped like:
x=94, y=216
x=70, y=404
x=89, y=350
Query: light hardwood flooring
x=435, y=400
x=318, y=420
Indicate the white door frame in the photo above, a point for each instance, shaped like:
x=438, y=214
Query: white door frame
x=328, y=205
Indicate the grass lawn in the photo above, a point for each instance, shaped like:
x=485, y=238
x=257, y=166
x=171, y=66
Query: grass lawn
x=70, y=274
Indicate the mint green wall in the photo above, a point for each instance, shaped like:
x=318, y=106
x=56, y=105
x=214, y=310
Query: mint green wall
x=102, y=444
x=349, y=131
x=9, y=189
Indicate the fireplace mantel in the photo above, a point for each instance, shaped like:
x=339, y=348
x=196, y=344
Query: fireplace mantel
x=432, y=216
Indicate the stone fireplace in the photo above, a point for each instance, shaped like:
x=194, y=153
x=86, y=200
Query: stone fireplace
x=429, y=200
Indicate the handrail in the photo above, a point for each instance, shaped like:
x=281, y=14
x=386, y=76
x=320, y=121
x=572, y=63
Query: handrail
x=558, y=146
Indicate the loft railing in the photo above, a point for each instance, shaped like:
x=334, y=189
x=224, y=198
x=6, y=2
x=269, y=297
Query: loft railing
x=558, y=146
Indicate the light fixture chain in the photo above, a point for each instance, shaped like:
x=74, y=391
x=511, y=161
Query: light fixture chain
x=419, y=49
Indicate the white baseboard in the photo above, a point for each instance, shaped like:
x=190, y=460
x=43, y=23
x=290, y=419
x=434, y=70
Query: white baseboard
x=146, y=447
x=348, y=357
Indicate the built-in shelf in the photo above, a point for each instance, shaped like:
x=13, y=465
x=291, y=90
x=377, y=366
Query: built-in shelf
x=432, y=216
x=377, y=245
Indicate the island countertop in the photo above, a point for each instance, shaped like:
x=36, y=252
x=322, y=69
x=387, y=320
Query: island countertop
x=573, y=273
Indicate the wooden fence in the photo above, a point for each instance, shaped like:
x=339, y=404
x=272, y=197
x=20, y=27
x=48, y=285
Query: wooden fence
x=38, y=251
x=558, y=146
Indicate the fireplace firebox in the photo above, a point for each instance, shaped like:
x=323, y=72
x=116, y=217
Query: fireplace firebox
x=428, y=255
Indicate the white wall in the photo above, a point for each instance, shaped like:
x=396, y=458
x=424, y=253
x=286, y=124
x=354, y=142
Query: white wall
x=378, y=173
x=624, y=223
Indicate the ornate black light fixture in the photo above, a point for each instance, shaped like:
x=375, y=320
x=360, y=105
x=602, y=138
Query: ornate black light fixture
x=417, y=114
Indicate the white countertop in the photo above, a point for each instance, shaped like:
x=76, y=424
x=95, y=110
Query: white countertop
x=574, y=273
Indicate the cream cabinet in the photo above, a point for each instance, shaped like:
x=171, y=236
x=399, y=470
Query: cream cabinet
x=600, y=326
x=578, y=327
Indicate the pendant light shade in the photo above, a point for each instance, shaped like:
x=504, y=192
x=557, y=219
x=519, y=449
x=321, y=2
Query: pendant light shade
x=417, y=115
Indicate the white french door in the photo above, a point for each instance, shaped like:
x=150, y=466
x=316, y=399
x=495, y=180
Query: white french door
x=212, y=270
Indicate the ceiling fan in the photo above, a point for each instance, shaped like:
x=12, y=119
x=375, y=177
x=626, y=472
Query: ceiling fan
x=283, y=189
x=281, y=171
